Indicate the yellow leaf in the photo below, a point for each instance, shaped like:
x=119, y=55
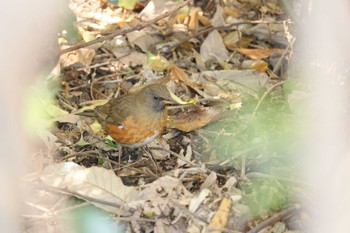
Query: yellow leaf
x=81, y=141
x=157, y=63
x=96, y=127
x=127, y=4
x=180, y=101
x=220, y=218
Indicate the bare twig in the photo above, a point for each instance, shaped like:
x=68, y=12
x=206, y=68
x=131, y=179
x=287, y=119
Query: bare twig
x=264, y=96
x=277, y=217
x=172, y=153
x=90, y=154
x=91, y=199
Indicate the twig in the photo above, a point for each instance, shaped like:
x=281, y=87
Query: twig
x=91, y=199
x=126, y=31
x=279, y=63
x=90, y=154
x=275, y=218
x=264, y=96
x=72, y=155
x=220, y=229
x=172, y=153
x=185, y=211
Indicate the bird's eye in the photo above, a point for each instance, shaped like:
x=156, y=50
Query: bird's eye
x=156, y=97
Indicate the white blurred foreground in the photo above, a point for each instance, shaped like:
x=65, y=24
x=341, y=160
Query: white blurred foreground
x=324, y=58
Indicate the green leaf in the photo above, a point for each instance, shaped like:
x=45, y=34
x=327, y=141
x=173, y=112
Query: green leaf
x=127, y=4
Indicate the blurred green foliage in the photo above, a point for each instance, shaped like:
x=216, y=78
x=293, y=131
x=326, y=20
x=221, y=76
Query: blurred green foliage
x=268, y=142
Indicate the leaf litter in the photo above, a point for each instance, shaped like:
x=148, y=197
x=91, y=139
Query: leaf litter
x=213, y=56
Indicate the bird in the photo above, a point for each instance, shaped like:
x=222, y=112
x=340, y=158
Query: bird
x=135, y=119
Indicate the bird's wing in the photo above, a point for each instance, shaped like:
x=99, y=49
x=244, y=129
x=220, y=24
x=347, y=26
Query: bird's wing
x=116, y=110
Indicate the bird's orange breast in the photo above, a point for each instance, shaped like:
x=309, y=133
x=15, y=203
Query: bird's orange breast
x=133, y=133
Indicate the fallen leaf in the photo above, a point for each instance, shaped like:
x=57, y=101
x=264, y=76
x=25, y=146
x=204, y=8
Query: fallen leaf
x=270, y=32
x=178, y=74
x=204, y=20
x=218, y=18
x=260, y=53
x=68, y=118
x=221, y=216
x=127, y=4
x=232, y=11
x=210, y=181
x=142, y=39
x=81, y=141
x=84, y=56
x=193, y=24
x=155, y=8
x=157, y=63
x=213, y=46
x=190, y=120
x=133, y=58
x=232, y=39
x=180, y=101
x=182, y=160
x=87, y=35
x=91, y=183
x=258, y=65
x=198, y=199
x=155, y=197
x=240, y=81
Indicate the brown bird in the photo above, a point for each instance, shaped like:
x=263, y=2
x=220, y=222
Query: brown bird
x=136, y=119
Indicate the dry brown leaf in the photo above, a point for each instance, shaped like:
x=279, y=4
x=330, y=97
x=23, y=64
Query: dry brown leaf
x=190, y=120
x=93, y=182
x=240, y=81
x=210, y=181
x=232, y=39
x=178, y=74
x=271, y=32
x=198, y=199
x=260, y=53
x=213, y=46
x=133, y=58
x=221, y=216
x=83, y=56
x=181, y=17
x=204, y=20
x=142, y=39
x=194, y=24
x=182, y=159
x=157, y=63
x=69, y=118
x=160, y=154
x=218, y=18
x=155, y=8
x=232, y=11
x=155, y=197
x=258, y=65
